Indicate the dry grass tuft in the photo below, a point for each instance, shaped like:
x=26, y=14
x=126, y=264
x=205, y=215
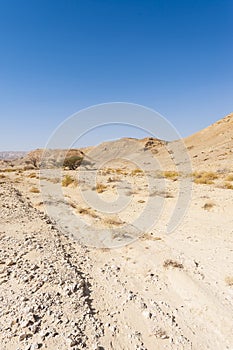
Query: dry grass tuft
x=100, y=188
x=172, y=263
x=172, y=175
x=87, y=211
x=205, y=178
x=68, y=180
x=208, y=205
x=112, y=221
x=136, y=172
x=229, y=177
x=229, y=281
x=34, y=190
x=228, y=185
x=150, y=237
x=32, y=175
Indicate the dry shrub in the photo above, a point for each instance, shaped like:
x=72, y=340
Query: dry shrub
x=34, y=190
x=136, y=172
x=229, y=281
x=228, y=185
x=113, y=221
x=229, y=177
x=68, y=180
x=141, y=201
x=208, y=205
x=32, y=175
x=150, y=237
x=2, y=176
x=172, y=175
x=172, y=263
x=100, y=188
x=87, y=211
x=205, y=178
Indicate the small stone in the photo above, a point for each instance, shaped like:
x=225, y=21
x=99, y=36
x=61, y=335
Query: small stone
x=23, y=336
x=35, y=346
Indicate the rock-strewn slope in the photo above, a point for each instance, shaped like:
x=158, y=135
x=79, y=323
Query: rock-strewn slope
x=45, y=298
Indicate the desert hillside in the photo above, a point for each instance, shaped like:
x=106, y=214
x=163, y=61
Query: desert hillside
x=88, y=260
x=208, y=149
x=212, y=148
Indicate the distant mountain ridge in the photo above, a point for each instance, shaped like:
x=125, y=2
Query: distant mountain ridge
x=208, y=149
x=11, y=155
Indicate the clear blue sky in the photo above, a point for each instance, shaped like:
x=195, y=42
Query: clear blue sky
x=57, y=57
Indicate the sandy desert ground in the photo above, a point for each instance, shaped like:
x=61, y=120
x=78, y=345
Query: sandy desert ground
x=132, y=285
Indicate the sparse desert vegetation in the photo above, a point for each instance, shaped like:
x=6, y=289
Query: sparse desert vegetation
x=32, y=175
x=208, y=205
x=100, y=188
x=172, y=175
x=228, y=185
x=68, y=180
x=229, y=177
x=136, y=172
x=34, y=190
x=172, y=263
x=205, y=178
x=229, y=281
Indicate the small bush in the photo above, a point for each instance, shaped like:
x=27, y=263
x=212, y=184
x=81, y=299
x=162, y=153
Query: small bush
x=229, y=281
x=136, y=172
x=229, y=177
x=34, y=190
x=112, y=221
x=32, y=175
x=205, y=178
x=172, y=175
x=72, y=162
x=150, y=237
x=100, y=188
x=208, y=205
x=68, y=180
x=87, y=211
x=228, y=186
x=172, y=263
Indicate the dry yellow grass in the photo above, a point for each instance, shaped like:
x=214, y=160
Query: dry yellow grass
x=112, y=221
x=229, y=177
x=228, y=185
x=35, y=190
x=229, y=281
x=172, y=175
x=68, y=180
x=136, y=172
x=87, y=211
x=205, y=178
x=32, y=175
x=100, y=188
x=150, y=237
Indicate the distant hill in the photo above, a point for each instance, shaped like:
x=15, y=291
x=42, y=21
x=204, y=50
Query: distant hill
x=11, y=155
x=208, y=149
